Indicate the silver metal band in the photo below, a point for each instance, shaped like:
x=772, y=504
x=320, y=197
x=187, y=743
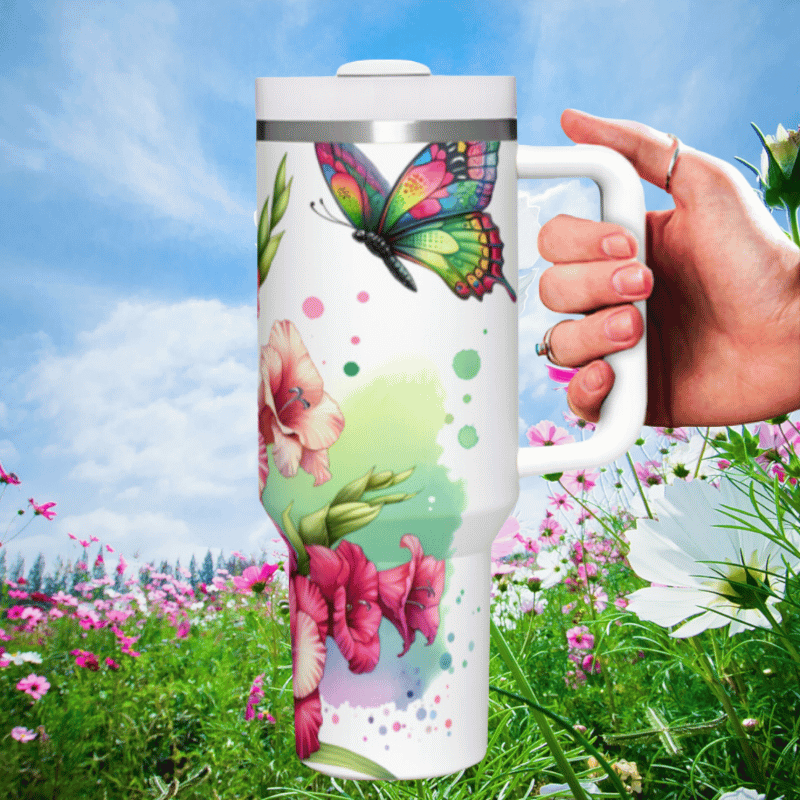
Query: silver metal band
x=486, y=130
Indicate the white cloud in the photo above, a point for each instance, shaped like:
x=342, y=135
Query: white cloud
x=159, y=400
x=125, y=118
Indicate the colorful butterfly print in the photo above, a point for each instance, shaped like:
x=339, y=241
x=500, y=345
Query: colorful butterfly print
x=433, y=216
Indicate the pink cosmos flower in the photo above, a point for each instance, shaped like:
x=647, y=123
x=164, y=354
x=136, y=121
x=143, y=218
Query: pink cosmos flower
x=34, y=685
x=111, y=664
x=579, y=638
x=22, y=734
x=575, y=421
x=580, y=480
x=255, y=579
x=349, y=583
x=590, y=665
x=648, y=472
x=546, y=434
x=560, y=501
x=44, y=510
x=409, y=594
x=10, y=478
x=86, y=659
x=295, y=414
x=551, y=531
x=505, y=541
x=675, y=434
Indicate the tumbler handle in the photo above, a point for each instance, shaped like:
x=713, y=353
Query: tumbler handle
x=621, y=202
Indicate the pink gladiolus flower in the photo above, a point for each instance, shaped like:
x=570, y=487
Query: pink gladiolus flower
x=349, y=583
x=546, y=434
x=43, y=510
x=580, y=480
x=263, y=464
x=579, y=638
x=34, y=685
x=295, y=414
x=22, y=734
x=307, y=722
x=409, y=594
x=308, y=620
x=254, y=579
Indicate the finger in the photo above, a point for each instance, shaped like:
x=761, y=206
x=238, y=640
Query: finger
x=575, y=342
x=649, y=150
x=566, y=238
x=577, y=288
x=589, y=388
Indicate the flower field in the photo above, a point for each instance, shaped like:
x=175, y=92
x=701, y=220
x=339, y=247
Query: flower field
x=647, y=627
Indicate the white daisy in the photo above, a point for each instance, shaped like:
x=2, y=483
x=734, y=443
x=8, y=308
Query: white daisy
x=699, y=568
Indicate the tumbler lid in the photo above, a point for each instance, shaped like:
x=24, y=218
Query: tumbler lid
x=390, y=89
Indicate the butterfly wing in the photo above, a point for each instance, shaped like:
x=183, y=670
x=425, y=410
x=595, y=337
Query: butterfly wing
x=445, y=179
x=355, y=183
x=465, y=251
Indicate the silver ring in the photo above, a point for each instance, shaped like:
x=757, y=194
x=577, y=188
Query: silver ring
x=673, y=160
x=546, y=349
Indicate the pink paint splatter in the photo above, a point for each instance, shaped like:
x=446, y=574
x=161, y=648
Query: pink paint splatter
x=362, y=297
x=312, y=307
x=437, y=699
x=355, y=340
x=396, y=727
x=448, y=723
x=335, y=719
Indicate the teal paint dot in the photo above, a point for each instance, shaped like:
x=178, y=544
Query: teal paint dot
x=450, y=637
x=464, y=663
x=351, y=368
x=468, y=437
x=467, y=398
x=485, y=331
x=471, y=646
x=466, y=364
x=458, y=599
x=452, y=670
x=445, y=660
x=448, y=418
x=479, y=609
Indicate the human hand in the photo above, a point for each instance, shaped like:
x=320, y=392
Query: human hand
x=723, y=315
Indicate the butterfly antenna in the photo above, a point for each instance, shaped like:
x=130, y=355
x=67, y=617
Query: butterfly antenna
x=327, y=215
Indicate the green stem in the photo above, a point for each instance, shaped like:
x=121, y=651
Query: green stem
x=791, y=212
x=541, y=720
x=708, y=674
x=702, y=451
x=639, y=484
x=779, y=629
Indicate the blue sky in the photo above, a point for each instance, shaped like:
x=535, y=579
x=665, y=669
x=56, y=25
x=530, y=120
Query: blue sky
x=127, y=246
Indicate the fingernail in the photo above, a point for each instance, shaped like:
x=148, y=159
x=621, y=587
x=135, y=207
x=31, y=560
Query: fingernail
x=619, y=327
x=593, y=379
x=629, y=281
x=617, y=245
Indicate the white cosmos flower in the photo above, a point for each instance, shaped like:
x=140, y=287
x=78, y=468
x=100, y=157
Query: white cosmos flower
x=553, y=566
x=694, y=564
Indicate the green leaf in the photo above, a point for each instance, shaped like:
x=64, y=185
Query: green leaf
x=263, y=227
x=354, y=490
x=334, y=756
x=291, y=533
x=279, y=206
x=314, y=528
x=553, y=476
x=280, y=176
x=265, y=259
